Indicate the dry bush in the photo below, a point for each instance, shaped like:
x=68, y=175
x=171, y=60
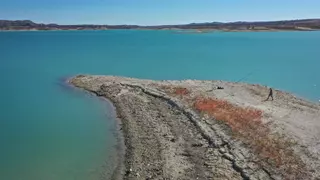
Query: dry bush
x=181, y=91
x=175, y=90
x=246, y=125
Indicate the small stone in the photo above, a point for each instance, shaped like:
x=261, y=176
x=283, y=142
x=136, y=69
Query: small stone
x=222, y=150
x=206, y=164
x=196, y=145
x=186, y=154
x=228, y=156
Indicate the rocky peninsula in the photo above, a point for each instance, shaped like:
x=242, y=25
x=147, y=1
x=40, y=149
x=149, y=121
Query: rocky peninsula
x=195, y=129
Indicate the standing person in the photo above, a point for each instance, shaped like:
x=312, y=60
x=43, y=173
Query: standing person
x=270, y=94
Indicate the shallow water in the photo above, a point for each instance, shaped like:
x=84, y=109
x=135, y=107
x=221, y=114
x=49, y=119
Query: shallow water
x=49, y=131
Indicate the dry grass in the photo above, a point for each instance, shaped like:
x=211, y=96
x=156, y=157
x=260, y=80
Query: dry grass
x=246, y=125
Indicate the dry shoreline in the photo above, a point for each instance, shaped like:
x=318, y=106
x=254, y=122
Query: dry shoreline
x=166, y=138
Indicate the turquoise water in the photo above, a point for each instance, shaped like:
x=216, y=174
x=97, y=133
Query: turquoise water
x=49, y=131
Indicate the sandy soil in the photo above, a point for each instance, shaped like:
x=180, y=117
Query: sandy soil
x=167, y=138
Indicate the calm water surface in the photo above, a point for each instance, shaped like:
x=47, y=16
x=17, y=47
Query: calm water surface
x=50, y=132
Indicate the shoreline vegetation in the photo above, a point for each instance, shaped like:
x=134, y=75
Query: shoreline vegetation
x=286, y=25
x=195, y=129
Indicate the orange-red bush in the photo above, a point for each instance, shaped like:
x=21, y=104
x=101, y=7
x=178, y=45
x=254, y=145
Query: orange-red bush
x=236, y=117
x=246, y=125
x=181, y=91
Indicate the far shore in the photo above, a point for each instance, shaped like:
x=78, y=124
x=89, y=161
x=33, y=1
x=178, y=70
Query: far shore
x=240, y=26
x=171, y=29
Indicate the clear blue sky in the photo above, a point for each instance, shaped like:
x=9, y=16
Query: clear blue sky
x=152, y=12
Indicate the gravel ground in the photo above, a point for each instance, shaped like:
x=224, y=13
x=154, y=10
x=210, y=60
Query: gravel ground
x=165, y=138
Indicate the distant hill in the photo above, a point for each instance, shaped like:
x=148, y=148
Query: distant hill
x=302, y=25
